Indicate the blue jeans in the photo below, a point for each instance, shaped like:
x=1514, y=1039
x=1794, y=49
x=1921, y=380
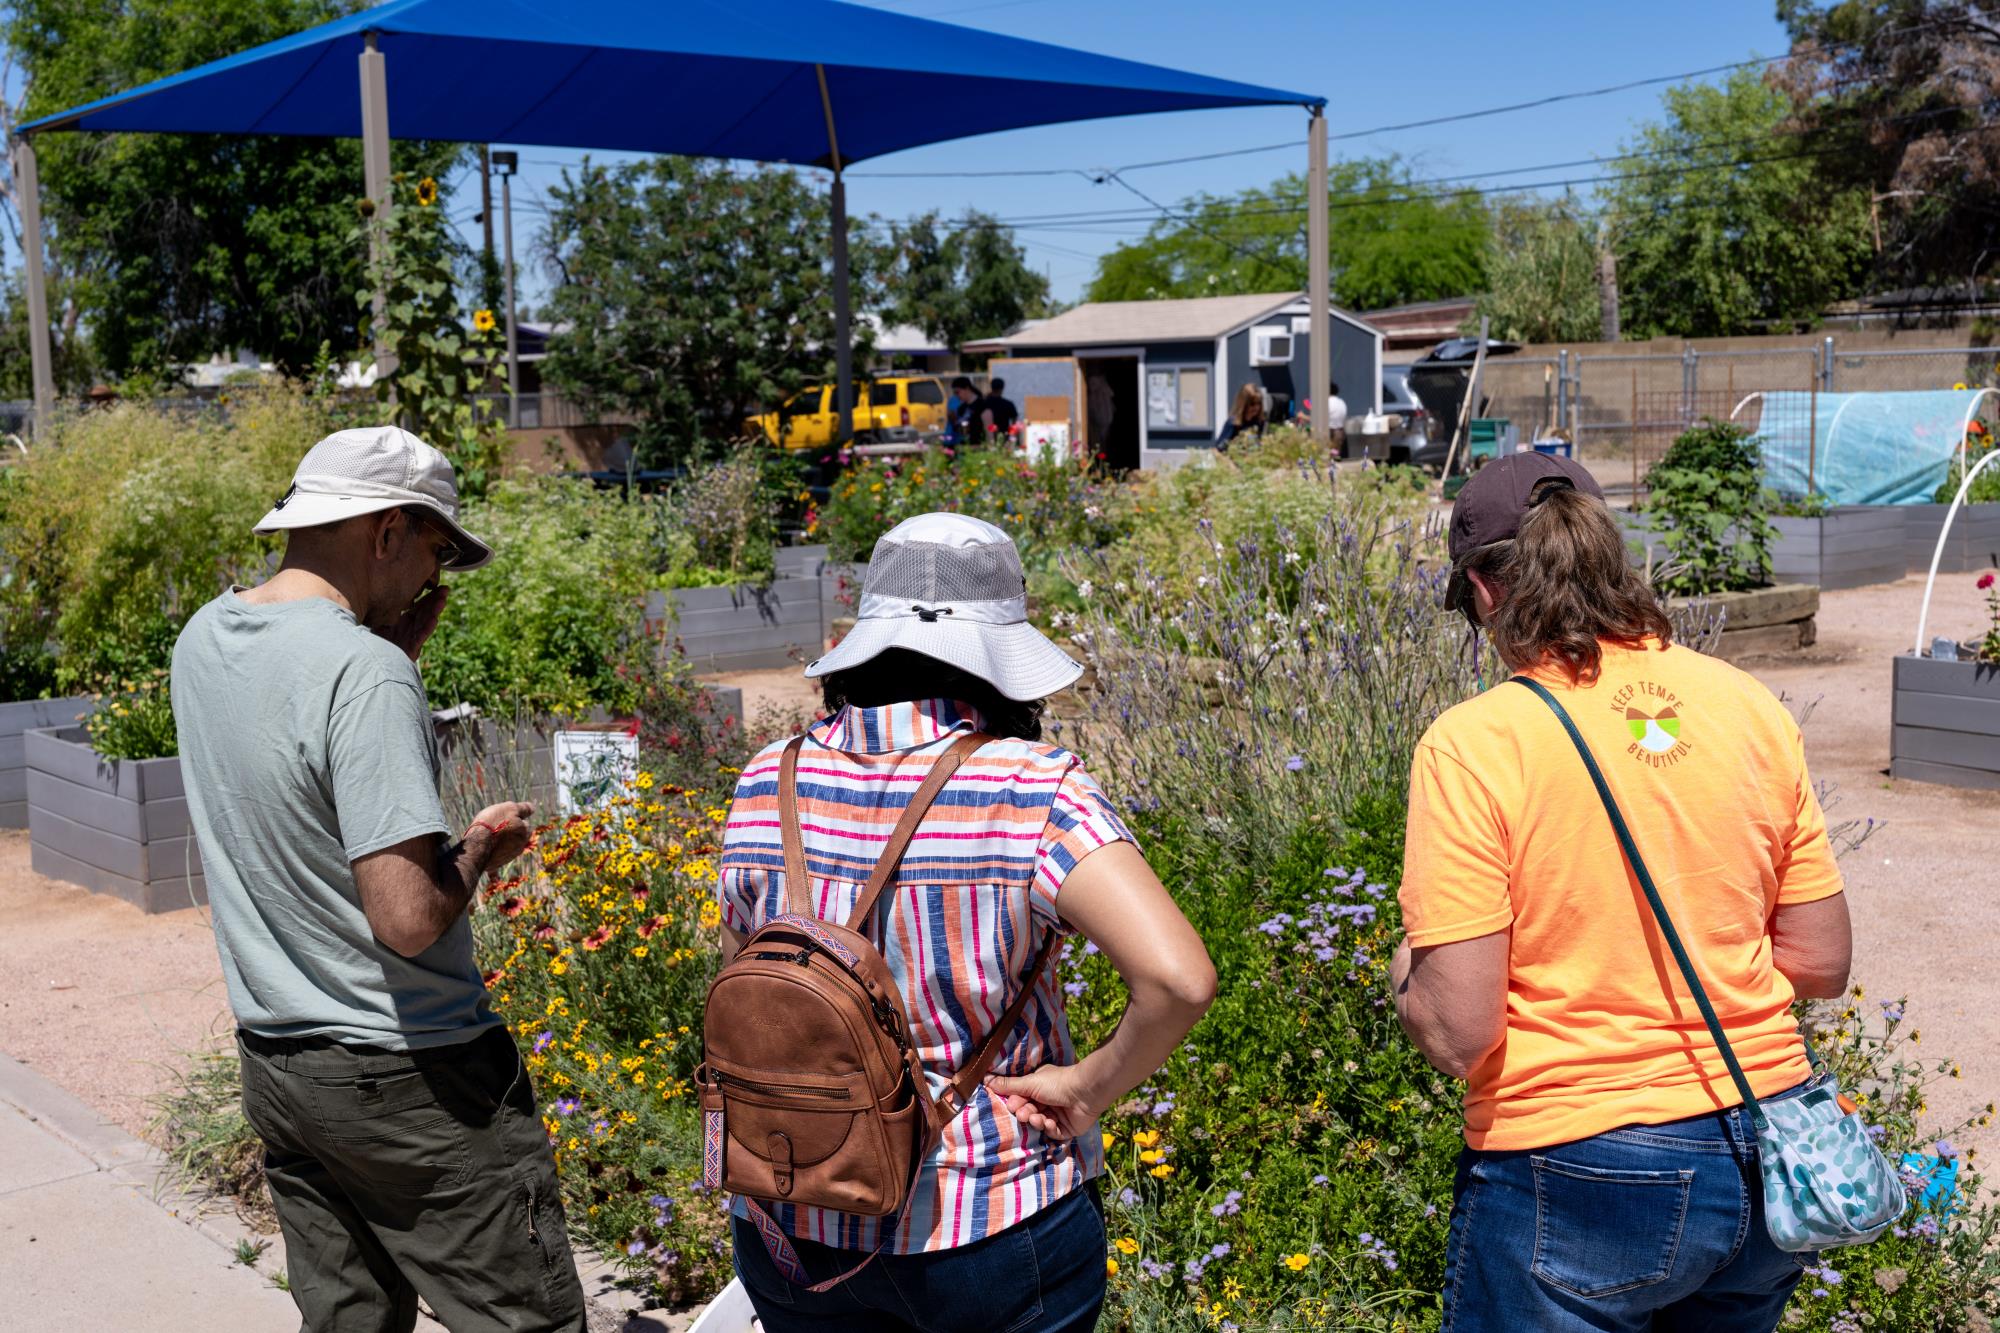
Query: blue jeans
x=1044, y=1274
x=1646, y=1229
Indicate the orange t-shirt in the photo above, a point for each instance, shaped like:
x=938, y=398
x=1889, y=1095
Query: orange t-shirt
x=1506, y=832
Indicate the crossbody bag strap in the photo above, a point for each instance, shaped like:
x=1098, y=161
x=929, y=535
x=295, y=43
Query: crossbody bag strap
x=1645, y=878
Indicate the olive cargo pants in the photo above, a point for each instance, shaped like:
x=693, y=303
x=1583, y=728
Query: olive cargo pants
x=404, y=1173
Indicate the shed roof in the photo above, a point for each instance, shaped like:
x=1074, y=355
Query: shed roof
x=1110, y=323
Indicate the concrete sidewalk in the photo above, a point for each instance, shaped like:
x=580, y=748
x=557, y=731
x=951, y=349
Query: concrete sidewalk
x=93, y=1240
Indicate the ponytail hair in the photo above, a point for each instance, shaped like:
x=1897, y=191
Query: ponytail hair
x=1564, y=584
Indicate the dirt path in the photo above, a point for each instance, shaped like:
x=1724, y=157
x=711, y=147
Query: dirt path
x=105, y=1000
x=1923, y=891
x=99, y=997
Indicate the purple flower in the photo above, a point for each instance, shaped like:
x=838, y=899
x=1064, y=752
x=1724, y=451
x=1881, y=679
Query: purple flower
x=1295, y=763
x=1317, y=1181
x=1074, y=988
x=543, y=1041
x=1153, y=1268
x=1945, y=1151
x=600, y=1126
x=1232, y=1203
x=566, y=1106
x=636, y=1248
x=1217, y=1252
x=1128, y=1198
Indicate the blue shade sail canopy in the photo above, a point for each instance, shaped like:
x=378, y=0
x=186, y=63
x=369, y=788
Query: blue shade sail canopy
x=697, y=77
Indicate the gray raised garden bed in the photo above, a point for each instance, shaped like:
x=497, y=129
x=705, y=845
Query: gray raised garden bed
x=1764, y=622
x=1974, y=542
x=16, y=719
x=1944, y=722
x=1848, y=547
x=117, y=826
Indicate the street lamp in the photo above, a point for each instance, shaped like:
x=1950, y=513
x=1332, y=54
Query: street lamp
x=505, y=164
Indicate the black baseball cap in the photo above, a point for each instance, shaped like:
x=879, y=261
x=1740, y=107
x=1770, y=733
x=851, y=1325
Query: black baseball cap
x=1496, y=499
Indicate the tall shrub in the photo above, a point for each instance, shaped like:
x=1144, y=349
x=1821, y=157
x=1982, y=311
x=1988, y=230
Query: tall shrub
x=127, y=519
x=1708, y=498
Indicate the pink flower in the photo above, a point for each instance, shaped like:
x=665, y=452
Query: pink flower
x=1986, y=580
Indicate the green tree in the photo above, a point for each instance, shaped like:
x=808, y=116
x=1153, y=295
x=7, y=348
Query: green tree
x=1541, y=274
x=176, y=246
x=1390, y=241
x=959, y=282
x=1720, y=227
x=691, y=291
x=1897, y=96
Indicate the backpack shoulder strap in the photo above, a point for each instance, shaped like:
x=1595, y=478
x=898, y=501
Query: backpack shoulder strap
x=798, y=891
x=921, y=800
x=966, y=1081
x=1652, y=893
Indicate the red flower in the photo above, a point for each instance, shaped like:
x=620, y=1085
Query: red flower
x=651, y=927
x=1986, y=580
x=513, y=906
x=596, y=939
x=545, y=931
x=493, y=978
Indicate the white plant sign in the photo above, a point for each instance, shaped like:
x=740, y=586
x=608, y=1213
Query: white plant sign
x=593, y=768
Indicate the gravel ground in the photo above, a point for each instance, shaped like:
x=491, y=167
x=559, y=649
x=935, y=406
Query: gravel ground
x=104, y=1000
x=1922, y=890
x=101, y=998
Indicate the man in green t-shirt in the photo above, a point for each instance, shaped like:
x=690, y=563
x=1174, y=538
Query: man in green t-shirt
x=403, y=1149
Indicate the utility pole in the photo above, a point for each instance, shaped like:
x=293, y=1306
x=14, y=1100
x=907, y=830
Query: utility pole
x=505, y=164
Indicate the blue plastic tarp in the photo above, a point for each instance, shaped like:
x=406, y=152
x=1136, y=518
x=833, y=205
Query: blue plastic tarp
x=1862, y=448
x=701, y=77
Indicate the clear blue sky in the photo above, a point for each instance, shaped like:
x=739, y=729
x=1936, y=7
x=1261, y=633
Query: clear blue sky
x=1378, y=64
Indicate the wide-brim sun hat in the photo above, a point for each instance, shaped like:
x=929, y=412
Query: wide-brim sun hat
x=951, y=587
x=368, y=470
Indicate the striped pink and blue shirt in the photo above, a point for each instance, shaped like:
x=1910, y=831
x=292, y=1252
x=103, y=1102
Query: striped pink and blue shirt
x=975, y=895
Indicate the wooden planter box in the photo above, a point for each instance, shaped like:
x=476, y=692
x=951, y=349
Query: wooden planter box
x=117, y=826
x=1944, y=722
x=1848, y=547
x=1764, y=622
x=1974, y=542
x=746, y=628
x=15, y=719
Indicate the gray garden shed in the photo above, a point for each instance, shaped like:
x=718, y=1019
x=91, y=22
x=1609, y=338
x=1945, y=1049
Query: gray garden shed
x=1163, y=374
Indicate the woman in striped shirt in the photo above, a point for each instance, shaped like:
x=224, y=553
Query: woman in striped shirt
x=1002, y=1230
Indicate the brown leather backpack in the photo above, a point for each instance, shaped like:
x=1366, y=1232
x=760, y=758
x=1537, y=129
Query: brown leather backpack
x=812, y=1092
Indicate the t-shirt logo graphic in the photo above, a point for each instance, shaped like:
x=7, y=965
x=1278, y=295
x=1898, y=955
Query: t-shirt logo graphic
x=1656, y=734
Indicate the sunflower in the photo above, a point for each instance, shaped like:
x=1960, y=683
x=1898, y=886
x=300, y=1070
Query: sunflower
x=427, y=191
x=483, y=320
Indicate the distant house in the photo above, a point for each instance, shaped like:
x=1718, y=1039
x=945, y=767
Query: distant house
x=1148, y=382
x=1423, y=324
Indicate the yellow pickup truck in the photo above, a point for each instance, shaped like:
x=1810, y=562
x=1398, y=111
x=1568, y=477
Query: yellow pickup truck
x=895, y=408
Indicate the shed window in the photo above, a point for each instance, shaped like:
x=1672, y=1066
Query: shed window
x=1179, y=398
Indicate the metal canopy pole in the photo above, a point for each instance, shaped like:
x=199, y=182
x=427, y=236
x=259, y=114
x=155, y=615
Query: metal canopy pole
x=28, y=190
x=843, y=315
x=1320, y=324
x=506, y=164
x=375, y=174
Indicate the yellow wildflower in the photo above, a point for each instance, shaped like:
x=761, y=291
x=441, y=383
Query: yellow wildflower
x=483, y=321
x=1146, y=1138
x=1296, y=1262
x=1110, y=1266
x=1163, y=1170
x=1126, y=1245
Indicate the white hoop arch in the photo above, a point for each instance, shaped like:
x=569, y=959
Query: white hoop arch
x=1924, y=615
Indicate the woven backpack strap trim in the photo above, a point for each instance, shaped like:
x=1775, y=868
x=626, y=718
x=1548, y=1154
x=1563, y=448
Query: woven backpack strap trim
x=815, y=930
x=1653, y=900
x=779, y=1246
